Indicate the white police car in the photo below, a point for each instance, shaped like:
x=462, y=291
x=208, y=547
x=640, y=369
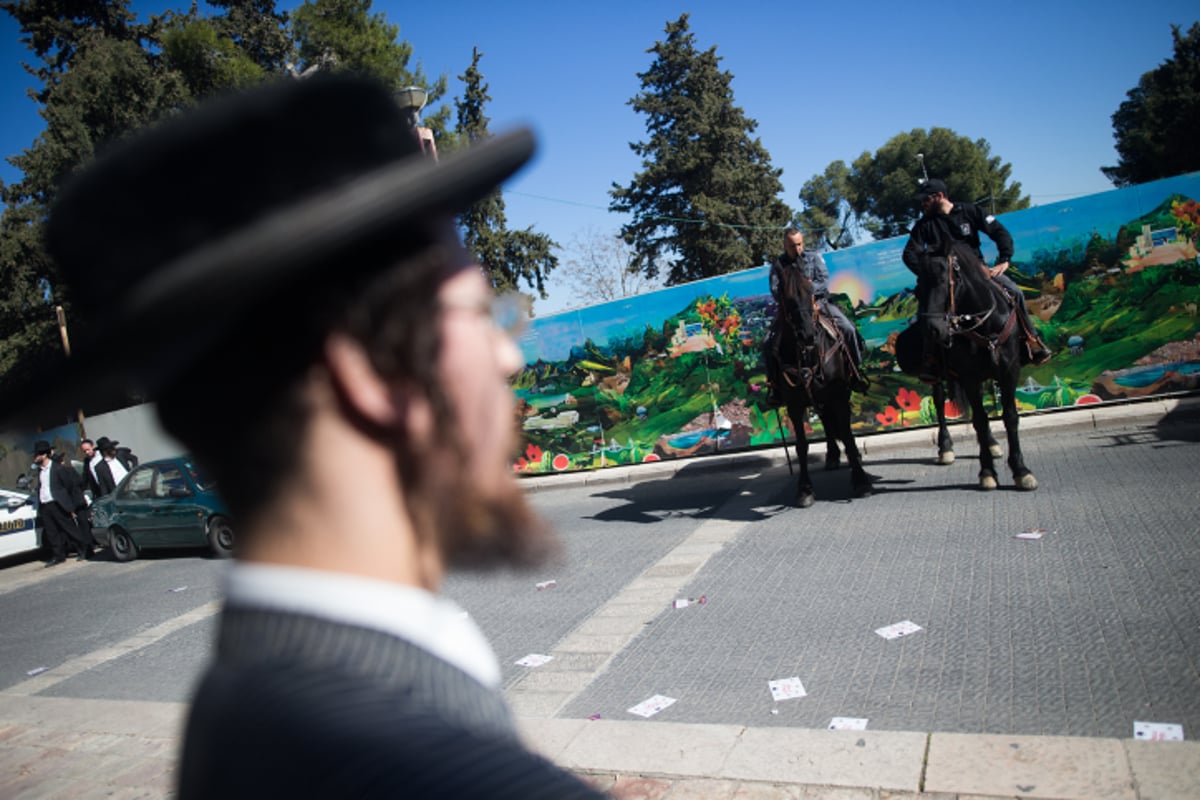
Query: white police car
x=18, y=523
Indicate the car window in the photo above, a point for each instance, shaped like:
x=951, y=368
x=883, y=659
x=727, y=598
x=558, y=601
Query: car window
x=166, y=478
x=137, y=485
x=200, y=477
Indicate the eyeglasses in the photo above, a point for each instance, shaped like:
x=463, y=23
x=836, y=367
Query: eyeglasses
x=508, y=311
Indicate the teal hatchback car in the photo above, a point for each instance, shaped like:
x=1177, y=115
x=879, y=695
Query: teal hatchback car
x=170, y=502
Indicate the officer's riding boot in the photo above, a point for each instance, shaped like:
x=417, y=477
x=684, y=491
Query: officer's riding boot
x=1035, y=351
x=858, y=379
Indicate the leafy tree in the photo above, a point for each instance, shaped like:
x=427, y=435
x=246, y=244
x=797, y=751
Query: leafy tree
x=507, y=256
x=257, y=29
x=602, y=267
x=882, y=185
x=827, y=219
x=344, y=35
x=1155, y=127
x=97, y=80
x=707, y=196
x=207, y=61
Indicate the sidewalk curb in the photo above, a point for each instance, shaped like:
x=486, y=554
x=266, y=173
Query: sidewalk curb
x=1098, y=417
x=869, y=764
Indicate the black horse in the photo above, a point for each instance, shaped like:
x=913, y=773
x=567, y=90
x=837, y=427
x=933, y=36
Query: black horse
x=973, y=320
x=815, y=369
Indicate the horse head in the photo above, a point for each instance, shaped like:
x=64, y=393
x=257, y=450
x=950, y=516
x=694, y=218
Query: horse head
x=797, y=303
x=957, y=289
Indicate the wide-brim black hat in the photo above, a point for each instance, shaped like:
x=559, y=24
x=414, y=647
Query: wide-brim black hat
x=174, y=236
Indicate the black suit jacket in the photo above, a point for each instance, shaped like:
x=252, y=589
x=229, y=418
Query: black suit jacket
x=89, y=480
x=104, y=478
x=296, y=706
x=65, y=487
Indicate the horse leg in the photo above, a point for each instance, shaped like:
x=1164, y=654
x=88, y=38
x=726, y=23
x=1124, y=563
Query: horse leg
x=804, y=490
x=838, y=413
x=945, y=443
x=993, y=445
x=1022, y=475
x=979, y=420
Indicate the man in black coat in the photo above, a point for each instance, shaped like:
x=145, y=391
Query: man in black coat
x=112, y=467
x=339, y=671
x=60, y=503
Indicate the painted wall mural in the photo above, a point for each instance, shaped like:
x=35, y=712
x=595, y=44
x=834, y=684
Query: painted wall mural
x=1112, y=279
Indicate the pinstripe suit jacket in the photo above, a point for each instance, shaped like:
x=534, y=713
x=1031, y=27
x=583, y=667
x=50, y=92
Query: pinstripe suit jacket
x=295, y=706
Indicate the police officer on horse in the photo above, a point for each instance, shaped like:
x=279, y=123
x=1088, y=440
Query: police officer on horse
x=812, y=266
x=943, y=222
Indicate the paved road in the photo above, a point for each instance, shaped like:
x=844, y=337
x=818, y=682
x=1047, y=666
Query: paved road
x=1081, y=633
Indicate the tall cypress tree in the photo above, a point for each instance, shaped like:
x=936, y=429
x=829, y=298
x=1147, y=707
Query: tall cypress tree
x=508, y=256
x=706, y=199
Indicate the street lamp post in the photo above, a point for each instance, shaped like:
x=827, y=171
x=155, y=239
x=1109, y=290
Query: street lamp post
x=411, y=100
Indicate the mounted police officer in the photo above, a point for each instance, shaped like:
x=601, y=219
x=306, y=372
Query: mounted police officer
x=812, y=266
x=943, y=222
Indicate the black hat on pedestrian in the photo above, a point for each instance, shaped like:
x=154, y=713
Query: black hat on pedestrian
x=41, y=446
x=929, y=188
x=104, y=443
x=176, y=236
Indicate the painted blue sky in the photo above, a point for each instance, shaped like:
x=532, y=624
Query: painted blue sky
x=1038, y=80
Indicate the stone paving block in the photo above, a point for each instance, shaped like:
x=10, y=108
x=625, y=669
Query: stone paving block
x=661, y=748
x=878, y=759
x=549, y=737
x=537, y=704
x=633, y=787
x=702, y=789
x=1030, y=766
x=1165, y=770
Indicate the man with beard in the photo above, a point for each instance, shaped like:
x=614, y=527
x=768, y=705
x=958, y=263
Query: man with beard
x=291, y=289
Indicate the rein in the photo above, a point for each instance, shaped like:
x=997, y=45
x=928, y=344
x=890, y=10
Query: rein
x=974, y=321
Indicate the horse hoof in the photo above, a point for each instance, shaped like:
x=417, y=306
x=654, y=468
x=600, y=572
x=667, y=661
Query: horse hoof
x=1027, y=483
x=805, y=499
x=946, y=458
x=862, y=491
x=987, y=482
x=832, y=462
x=995, y=450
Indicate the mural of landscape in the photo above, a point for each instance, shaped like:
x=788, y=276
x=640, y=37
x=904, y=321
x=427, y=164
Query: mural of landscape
x=1113, y=280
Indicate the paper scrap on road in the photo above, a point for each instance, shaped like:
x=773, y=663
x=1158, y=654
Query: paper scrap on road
x=593, y=717
x=1032, y=533
x=847, y=724
x=534, y=660
x=1158, y=731
x=545, y=585
x=650, y=707
x=786, y=688
x=36, y=671
x=684, y=602
x=899, y=629
x=177, y=589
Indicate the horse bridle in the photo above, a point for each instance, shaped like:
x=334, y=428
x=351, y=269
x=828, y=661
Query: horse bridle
x=975, y=321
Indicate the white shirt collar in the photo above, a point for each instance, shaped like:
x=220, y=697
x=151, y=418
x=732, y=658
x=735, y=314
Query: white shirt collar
x=434, y=623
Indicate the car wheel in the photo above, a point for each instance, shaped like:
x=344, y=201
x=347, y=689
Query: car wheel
x=220, y=536
x=122, y=545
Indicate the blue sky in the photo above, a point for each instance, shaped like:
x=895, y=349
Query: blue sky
x=1038, y=80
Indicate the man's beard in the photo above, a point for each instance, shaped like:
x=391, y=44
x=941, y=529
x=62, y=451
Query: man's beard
x=476, y=527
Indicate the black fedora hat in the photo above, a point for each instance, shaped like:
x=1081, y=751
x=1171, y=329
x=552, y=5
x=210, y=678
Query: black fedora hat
x=103, y=443
x=41, y=446
x=171, y=238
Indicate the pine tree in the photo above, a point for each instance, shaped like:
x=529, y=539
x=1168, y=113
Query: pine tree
x=508, y=257
x=706, y=200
